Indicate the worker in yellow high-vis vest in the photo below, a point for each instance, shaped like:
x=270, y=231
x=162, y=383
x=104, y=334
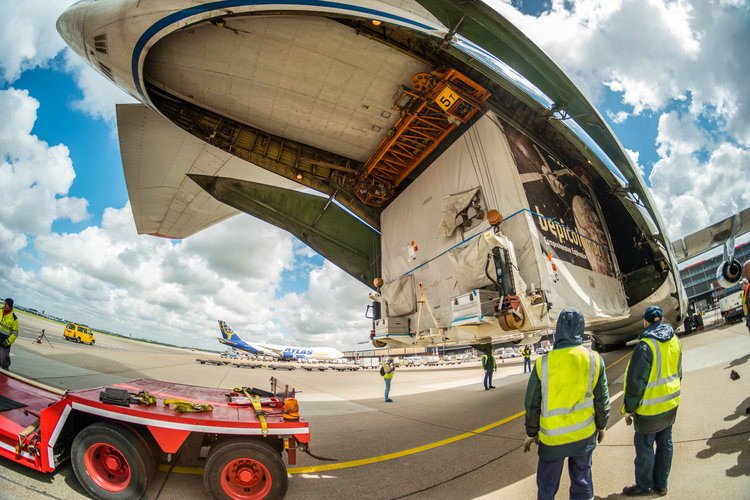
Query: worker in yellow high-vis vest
x=567, y=408
x=387, y=370
x=652, y=395
x=489, y=365
x=8, y=332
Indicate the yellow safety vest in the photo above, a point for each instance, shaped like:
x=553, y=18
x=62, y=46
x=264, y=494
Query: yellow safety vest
x=663, y=389
x=744, y=299
x=484, y=362
x=9, y=326
x=568, y=377
x=387, y=375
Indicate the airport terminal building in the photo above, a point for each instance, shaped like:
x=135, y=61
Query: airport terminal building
x=699, y=279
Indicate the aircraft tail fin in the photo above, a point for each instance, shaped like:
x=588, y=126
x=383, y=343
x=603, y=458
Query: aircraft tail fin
x=227, y=332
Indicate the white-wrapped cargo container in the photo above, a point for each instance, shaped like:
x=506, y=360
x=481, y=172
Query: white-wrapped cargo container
x=428, y=238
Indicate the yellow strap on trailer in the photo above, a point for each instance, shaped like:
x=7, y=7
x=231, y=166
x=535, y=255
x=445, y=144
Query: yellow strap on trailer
x=188, y=406
x=145, y=398
x=259, y=411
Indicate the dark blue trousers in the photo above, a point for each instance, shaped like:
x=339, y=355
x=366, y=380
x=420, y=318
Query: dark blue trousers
x=526, y=362
x=579, y=469
x=487, y=379
x=652, y=469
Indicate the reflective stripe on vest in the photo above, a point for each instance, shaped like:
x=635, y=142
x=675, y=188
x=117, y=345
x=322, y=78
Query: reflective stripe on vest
x=663, y=389
x=9, y=326
x=568, y=377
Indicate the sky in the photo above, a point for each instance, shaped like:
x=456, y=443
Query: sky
x=672, y=78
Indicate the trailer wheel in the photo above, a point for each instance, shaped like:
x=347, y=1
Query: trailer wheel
x=92, y=342
x=111, y=461
x=244, y=469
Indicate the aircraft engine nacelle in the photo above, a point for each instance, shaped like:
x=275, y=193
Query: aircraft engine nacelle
x=288, y=355
x=729, y=273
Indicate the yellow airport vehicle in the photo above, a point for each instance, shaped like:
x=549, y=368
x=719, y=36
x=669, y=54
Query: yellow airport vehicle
x=79, y=333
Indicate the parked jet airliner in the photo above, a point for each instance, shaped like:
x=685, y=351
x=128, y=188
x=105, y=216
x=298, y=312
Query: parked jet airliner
x=228, y=337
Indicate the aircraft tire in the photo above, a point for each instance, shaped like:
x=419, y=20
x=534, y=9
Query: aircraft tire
x=242, y=468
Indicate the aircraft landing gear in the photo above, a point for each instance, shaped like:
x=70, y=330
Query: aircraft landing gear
x=602, y=348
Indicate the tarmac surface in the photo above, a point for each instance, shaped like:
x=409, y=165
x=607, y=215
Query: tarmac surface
x=444, y=436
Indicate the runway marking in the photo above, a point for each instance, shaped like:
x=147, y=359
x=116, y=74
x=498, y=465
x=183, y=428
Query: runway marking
x=615, y=397
x=178, y=469
x=613, y=364
x=389, y=456
x=403, y=453
x=411, y=451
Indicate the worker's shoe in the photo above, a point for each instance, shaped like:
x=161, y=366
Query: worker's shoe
x=636, y=491
x=486, y=388
x=661, y=492
x=389, y=401
x=492, y=387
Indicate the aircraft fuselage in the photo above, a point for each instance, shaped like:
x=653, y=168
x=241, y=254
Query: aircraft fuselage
x=411, y=119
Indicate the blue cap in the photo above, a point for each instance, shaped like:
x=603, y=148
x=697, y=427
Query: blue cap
x=651, y=313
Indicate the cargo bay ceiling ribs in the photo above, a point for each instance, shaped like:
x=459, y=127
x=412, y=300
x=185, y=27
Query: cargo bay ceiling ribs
x=335, y=165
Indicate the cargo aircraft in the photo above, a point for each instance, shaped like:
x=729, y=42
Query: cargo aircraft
x=426, y=147
x=228, y=337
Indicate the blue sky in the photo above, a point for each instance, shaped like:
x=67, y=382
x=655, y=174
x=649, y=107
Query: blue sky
x=672, y=79
x=93, y=143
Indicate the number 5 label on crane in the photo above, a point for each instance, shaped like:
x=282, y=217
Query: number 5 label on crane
x=446, y=98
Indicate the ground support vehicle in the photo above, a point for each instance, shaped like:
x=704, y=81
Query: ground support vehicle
x=731, y=307
x=79, y=333
x=115, y=450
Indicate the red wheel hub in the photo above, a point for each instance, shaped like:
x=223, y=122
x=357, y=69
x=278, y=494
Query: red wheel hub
x=107, y=467
x=245, y=478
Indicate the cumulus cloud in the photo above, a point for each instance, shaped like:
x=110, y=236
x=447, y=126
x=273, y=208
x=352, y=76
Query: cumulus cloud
x=30, y=40
x=332, y=308
x=692, y=194
x=99, y=95
x=635, y=157
x=658, y=56
x=36, y=176
x=175, y=292
x=28, y=36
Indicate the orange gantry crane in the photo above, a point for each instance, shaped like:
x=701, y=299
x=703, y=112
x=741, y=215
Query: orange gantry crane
x=439, y=102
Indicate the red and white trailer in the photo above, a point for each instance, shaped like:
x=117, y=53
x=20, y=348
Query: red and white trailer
x=115, y=450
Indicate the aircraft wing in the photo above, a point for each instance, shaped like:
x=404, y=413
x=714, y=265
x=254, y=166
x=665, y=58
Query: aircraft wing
x=269, y=350
x=712, y=236
x=157, y=156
